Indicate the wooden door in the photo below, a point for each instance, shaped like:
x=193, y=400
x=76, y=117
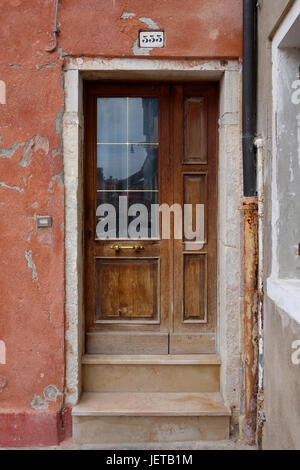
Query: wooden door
x=148, y=145
x=195, y=182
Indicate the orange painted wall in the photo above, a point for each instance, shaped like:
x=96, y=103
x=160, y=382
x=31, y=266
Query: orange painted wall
x=31, y=173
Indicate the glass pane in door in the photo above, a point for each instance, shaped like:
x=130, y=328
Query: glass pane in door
x=127, y=161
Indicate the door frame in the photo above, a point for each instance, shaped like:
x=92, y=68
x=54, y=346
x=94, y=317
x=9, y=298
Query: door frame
x=230, y=244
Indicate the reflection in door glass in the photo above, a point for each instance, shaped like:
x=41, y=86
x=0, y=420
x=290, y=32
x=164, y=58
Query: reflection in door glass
x=112, y=167
x=143, y=167
x=127, y=155
x=143, y=120
x=112, y=120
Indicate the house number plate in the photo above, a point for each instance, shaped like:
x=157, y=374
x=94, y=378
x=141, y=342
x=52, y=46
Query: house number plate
x=152, y=39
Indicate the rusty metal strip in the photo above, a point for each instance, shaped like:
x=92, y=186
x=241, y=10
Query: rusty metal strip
x=250, y=356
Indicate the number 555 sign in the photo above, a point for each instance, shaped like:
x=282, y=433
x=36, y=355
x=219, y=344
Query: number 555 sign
x=151, y=39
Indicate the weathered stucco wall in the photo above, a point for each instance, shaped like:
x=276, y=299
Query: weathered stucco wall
x=269, y=15
x=281, y=378
x=32, y=315
x=282, y=381
x=32, y=262
x=196, y=28
x=288, y=156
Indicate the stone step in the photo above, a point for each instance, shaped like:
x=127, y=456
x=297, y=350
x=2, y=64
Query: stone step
x=156, y=373
x=107, y=418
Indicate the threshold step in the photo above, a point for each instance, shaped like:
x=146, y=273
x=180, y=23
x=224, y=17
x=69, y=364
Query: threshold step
x=151, y=404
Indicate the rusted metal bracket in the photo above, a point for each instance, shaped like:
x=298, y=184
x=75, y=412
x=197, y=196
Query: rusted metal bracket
x=55, y=31
x=249, y=204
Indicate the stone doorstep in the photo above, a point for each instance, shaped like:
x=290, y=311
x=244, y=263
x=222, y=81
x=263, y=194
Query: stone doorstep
x=150, y=404
x=143, y=417
x=196, y=373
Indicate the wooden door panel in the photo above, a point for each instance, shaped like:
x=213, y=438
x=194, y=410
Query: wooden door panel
x=195, y=182
x=195, y=192
x=130, y=342
x=195, y=129
x=127, y=289
x=195, y=288
x=192, y=343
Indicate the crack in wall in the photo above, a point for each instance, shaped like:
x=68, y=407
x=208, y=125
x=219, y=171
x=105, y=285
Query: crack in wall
x=33, y=145
x=3, y=383
x=149, y=22
x=127, y=14
x=59, y=178
x=7, y=186
x=2, y=92
x=9, y=152
x=58, y=130
x=2, y=352
x=46, y=66
x=31, y=264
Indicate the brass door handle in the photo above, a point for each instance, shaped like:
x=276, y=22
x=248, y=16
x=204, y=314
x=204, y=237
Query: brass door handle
x=135, y=247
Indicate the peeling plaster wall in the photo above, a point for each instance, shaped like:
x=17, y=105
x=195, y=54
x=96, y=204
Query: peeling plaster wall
x=32, y=105
x=281, y=376
x=32, y=261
